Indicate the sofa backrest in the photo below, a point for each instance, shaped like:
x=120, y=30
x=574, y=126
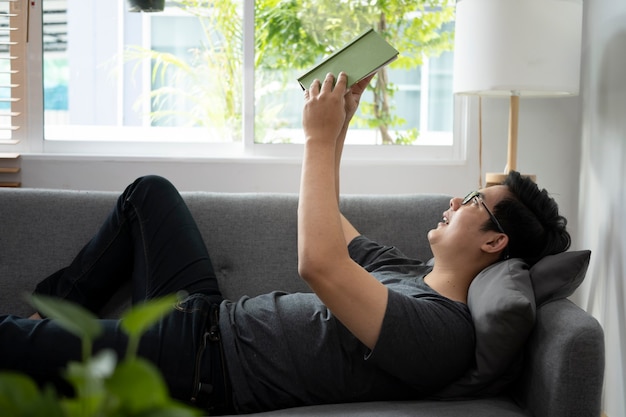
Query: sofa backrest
x=251, y=237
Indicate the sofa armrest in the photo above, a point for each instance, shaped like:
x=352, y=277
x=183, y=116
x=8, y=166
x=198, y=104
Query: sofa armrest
x=564, y=363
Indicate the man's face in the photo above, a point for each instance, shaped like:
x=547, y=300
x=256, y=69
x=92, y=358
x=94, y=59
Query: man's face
x=460, y=227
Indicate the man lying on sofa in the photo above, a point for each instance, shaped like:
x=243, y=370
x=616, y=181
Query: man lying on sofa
x=378, y=326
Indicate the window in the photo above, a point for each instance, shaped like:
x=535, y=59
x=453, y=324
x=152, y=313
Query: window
x=195, y=80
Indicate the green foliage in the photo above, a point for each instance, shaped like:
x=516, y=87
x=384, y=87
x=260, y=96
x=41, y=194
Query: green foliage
x=103, y=386
x=20, y=397
x=297, y=33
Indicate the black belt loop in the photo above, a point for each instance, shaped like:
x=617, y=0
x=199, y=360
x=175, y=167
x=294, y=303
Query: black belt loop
x=214, y=324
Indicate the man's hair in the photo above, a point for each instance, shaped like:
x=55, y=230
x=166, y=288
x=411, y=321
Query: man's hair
x=531, y=220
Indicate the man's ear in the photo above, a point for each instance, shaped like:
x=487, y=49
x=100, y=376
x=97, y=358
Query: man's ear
x=496, y=243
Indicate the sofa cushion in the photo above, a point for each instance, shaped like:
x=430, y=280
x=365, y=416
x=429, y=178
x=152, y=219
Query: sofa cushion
x=503, y=300
x=558, y=276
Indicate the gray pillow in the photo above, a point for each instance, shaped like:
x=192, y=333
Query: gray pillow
x=503, y=300
x=558, y=276
x=502, y=304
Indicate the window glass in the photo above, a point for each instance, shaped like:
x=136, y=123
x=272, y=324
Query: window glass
x=143, y=74
x=440, y=93
x=55, y=64
x=292, y=36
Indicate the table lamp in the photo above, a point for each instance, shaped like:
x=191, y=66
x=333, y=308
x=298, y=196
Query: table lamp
x=517, y=48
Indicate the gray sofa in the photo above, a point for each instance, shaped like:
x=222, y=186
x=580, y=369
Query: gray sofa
x=251, y=236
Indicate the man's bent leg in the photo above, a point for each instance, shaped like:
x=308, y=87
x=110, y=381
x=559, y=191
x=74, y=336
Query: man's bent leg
x=170, y=253
x=150, y=238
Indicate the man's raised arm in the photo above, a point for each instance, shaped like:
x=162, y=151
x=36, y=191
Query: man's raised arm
x=356, y=298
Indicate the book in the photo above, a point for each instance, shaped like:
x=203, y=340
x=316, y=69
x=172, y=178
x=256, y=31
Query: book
x=362, y=56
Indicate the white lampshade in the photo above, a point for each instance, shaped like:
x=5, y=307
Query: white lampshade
x=522, y=47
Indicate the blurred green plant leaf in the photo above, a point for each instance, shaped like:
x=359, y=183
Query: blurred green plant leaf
x=141, y=316
x=16, y=389
x=20, y=397
x=72, y=317
x=141, y=390
x=88, y=377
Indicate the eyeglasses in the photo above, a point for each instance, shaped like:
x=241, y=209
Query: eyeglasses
x=478, y=197
x=475, y=195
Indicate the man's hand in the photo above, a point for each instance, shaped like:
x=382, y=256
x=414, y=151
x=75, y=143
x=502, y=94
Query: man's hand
x=353, y=97
x=325, y=107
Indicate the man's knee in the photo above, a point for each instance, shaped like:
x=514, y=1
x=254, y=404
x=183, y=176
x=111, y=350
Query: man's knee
x=153, y=181
x=152, y=185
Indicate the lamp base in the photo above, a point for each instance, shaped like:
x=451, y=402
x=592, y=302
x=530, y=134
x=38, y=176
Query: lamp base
x=492, y=178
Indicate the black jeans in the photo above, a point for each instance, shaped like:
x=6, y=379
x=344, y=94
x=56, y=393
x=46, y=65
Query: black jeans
x=150, y=240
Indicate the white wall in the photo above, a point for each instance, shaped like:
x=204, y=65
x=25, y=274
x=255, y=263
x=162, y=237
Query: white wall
x=549, y=125
x=602, y=197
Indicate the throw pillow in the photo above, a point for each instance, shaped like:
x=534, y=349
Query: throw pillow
x=502, y=304
x=558, y=276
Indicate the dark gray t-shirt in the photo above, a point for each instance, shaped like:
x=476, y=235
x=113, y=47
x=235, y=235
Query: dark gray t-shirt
x=287, y=349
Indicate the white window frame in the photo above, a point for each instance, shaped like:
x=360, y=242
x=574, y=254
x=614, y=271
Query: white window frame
x=247, y=149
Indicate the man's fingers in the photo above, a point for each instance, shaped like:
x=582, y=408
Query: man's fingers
x=342, y=81
x=318, y=87
x=315, y=86
x=328, y=82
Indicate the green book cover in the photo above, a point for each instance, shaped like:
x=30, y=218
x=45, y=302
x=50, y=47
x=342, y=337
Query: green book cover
x=359, y=58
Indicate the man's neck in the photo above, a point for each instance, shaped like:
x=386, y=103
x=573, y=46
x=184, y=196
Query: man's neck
x=450, y=283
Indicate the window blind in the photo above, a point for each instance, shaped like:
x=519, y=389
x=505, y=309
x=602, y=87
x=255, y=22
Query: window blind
x=13, y=40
